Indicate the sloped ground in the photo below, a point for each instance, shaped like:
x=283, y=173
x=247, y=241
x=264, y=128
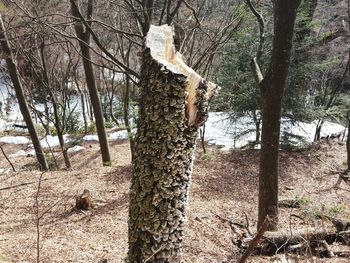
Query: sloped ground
x=224, y=187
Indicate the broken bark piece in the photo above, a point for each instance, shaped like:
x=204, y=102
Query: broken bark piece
x=84, y=201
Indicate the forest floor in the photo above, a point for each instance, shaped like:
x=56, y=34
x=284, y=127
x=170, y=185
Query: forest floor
x=224, y=187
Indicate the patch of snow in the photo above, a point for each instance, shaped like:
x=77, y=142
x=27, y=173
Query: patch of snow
x=18, y=154
x=90, y=138
x=15, y=140
x=52, y=141
x=76, y=148
x=219, y=130
x=22, y=153
x=120, y=135
x=4, y=170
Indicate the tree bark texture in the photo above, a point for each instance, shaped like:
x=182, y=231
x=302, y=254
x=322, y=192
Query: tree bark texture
x=272, y=88
x=84, y=41
x=23, y=106
x=174, y=104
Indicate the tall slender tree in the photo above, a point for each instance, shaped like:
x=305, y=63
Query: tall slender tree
x=272, y=88
x=84, y=36
x=23, y=106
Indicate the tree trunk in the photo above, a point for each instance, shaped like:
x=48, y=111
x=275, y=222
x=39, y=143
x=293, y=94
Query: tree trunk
x=272, y=88
x=84, y=41
x=126, y=115
x=318, y=131
x=174, y=104
x=348, y=143
x=257, y=121
x=82, y=101
x=57, y=120
x=5, y=45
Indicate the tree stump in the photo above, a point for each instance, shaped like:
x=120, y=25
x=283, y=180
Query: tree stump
x=174, y=105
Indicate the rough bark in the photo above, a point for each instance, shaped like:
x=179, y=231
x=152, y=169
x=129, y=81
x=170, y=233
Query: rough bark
x=174, y=104
x=272, y=88
x=84, y=41
x=23, y=106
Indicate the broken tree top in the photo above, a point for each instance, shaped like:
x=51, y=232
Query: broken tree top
x=160, y=41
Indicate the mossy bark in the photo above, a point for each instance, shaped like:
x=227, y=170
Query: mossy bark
x=163, y=159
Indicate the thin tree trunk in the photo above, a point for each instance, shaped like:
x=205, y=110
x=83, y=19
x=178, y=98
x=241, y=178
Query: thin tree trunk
x=318, y=131
x=348, y=115
x=257, y=127
x=82, y=100
x=21, y=97
x=126, y=115
x=174, y=104
x=57, y=120
x=84, y=41
x=272, y=88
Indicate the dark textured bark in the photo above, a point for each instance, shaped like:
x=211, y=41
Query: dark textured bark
x=84, y=41
x=11, y=66
x=164, y=149
x=272, y=88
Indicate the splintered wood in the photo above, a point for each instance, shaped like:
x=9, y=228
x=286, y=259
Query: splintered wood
x=160, y=41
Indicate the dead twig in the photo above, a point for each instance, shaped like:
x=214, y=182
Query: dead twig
x=9, y=161
x=24, y=184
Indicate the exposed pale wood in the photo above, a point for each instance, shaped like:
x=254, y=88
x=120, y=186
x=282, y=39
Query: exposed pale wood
x=160, y=41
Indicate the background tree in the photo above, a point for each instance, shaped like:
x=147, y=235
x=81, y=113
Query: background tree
x=84, y=40
x=272, y=88
x=12, y=69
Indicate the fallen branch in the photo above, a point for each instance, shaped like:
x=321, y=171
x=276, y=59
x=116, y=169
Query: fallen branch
x=286, y=240
x=255, y=241
x=24, y=184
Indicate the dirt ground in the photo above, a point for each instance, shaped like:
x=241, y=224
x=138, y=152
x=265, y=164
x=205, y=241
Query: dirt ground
x=224, y=186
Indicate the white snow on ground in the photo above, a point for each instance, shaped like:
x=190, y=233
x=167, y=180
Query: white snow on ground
x=76, y=148
x=22, y=153
x=307, y=130
x=120, y=135
x=52, y=141
x=15, y=140
x=219, y=130
x=17, y=154
x=4, y=170
x=90, y=138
